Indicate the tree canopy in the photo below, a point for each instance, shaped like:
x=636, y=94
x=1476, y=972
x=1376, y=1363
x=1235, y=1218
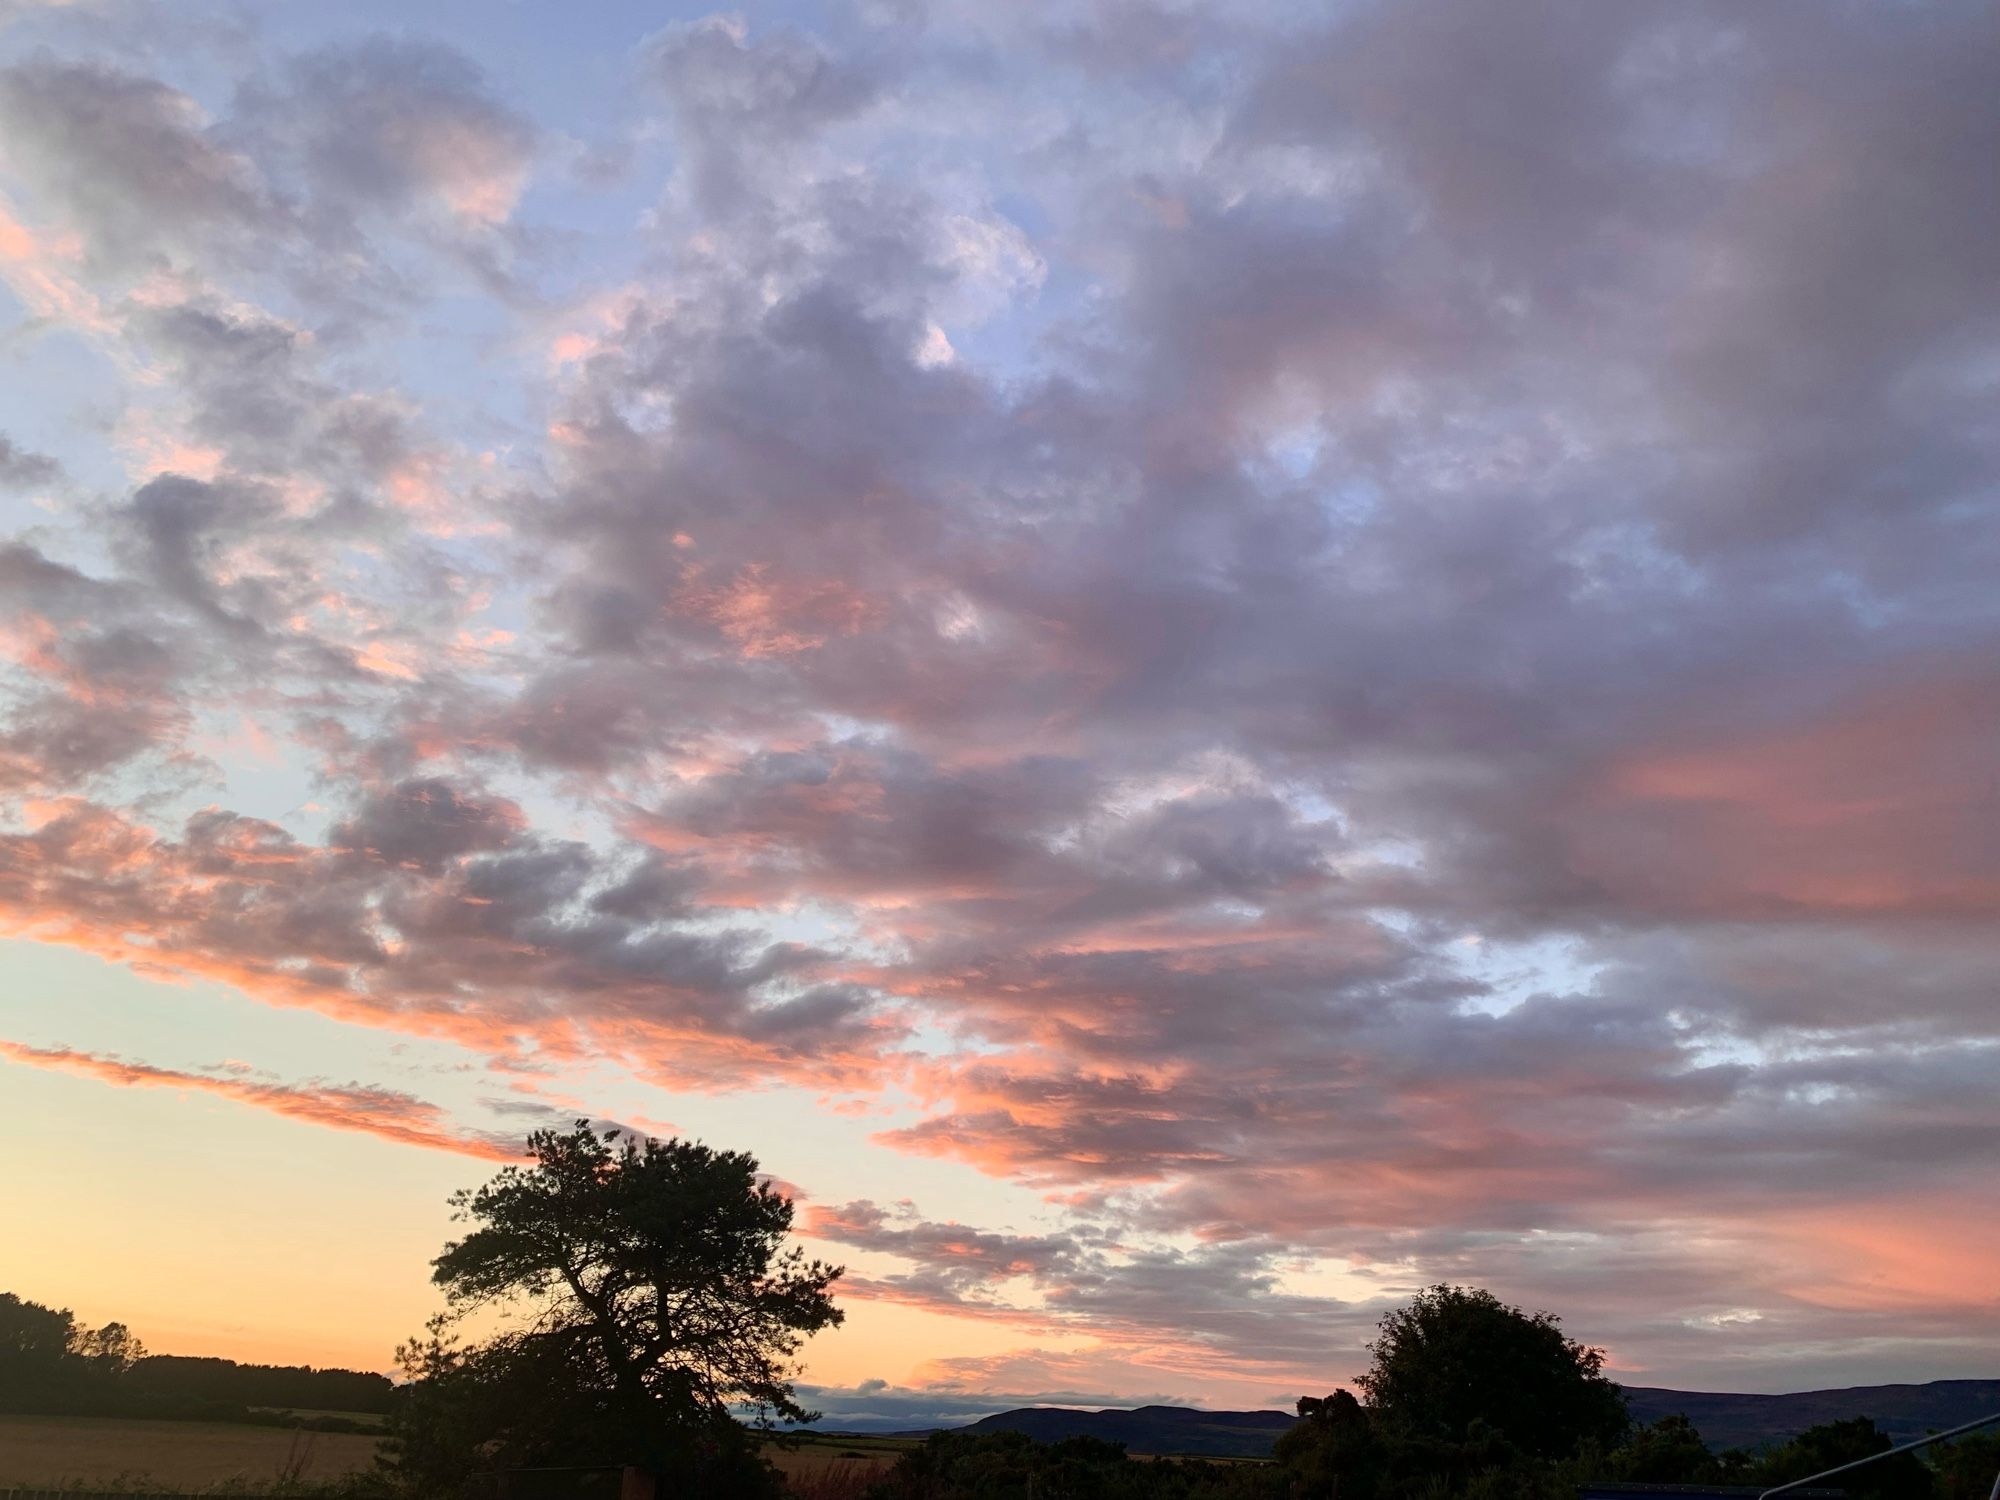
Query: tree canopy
x=1831, y=1444
x=49, y=1361
x=648, y=1299
x=52, y=1364
x=1966, y=1468
x=1458, y=1358
x=1014, y=1466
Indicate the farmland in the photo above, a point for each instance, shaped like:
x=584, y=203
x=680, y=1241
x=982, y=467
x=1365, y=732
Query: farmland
x=40, y=1451
x=818, y=1453
x=129, y=1453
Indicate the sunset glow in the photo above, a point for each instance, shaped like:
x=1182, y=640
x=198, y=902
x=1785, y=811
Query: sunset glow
x=1197, y=665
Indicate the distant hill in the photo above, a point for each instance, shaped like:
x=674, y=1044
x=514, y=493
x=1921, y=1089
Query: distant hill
x=1741, y=1421
x=1726, y=1420
x=1150, y=1429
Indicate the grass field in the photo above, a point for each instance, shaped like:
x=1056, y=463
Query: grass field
x=359, y=1418
x=819, y=1453
x=125, y=1451
x=128, y=1453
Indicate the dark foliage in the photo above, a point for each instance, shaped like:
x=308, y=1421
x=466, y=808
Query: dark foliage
x=649, y=1300
x=1669, y=1451
x=1344, y=1449
x=1013, y=1466
x=1458, y=1363
x=38, y=1351
x=1179, y=1430
x=52, y=1365
x=1341, y=1450
x=299, y=1386
x=1967, y=1467
x=1335, y=1442
x=1827, y=1446
x=1735, y=1420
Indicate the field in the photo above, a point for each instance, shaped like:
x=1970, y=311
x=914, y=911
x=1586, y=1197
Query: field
x=358, y=1418
x=101, y=1451
x=128, y=1453
x=820, y=1454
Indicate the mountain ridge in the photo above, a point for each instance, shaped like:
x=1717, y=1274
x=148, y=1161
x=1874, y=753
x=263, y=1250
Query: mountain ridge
x=1726, y=1419
x=1747, y=1420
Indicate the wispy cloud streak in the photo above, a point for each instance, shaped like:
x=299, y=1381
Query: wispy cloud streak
x=386, y=1113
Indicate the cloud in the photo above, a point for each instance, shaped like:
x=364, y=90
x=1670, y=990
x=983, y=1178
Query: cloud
x=1413, y=698
x=953, y=1259
x=387, y=1113
x=21, y=469
x=133, y=162
x=1219, y=1307
x=745, y=102
x=432, y=912
x=387, y=123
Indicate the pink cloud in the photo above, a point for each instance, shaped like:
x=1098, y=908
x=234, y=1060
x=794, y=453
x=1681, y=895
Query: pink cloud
x=385, y=1113
x=1876, y=808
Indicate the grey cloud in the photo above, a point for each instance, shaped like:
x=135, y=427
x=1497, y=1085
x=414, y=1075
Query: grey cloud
x=53, y=741
x=131, y=158
x=338, y=171
x=177, y=531
x=1220, y=1298
x=740, y=98
x=428, y=824
x=255, y=388
x=99, y=682
x=953, y=1260
x=388, y=123
x=474, y=933
x=21, y=469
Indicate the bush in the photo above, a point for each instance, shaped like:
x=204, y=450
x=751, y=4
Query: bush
x=1013, y=1466
x=1965, y=1469
x=1827, y=1446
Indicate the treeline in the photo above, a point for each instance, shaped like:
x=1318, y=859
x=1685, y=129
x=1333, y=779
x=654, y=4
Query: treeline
x=1360, y=1453
x=1367, y=1457
x=1466, y=1397
x=301, y=1386
x=50, y=1364
x=1014, y=1466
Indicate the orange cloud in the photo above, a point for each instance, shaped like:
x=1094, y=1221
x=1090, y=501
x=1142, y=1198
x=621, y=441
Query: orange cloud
x=1885, y=806
x=294, y=924
x=387, y=1113
x=765, y=615
x=1929, y=1255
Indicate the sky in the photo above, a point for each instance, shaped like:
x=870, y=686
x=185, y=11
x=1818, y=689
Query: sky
x=1196, y=664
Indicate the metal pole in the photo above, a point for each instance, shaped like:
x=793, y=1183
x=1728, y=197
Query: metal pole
x=1923, y=1442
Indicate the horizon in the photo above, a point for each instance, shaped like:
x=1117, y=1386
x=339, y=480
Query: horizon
x=879, y=1407
x=1196, y=665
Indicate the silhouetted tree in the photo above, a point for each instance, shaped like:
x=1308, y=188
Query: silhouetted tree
x=1458, y=1356
x=52, y=1364
x=1967, y=1467
x=1827, y=1446
x=183, y=1377
x=108, y=1353
x=1669, y=1451
x=49, y=1362
x=649, y=1299
x=1334, y=1450
x=35, y=1345
x=1014, y=1466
